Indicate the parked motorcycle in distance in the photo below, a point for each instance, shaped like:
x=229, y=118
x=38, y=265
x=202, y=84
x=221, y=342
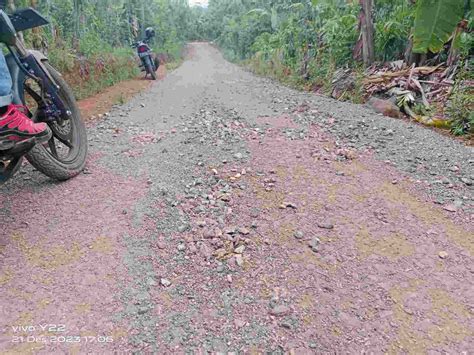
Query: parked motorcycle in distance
x=47, y=98
x=149, y=62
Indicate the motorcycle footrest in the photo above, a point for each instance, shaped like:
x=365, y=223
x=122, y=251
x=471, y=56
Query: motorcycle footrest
x=8, y=168
x=15, y=149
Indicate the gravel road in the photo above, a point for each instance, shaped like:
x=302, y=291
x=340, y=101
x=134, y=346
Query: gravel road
x=223, y=212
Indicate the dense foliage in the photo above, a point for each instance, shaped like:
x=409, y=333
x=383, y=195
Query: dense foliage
x=245, y=28
x=92, y=26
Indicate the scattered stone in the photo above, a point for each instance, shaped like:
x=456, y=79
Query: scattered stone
x=182, y=228
x=466, y=181
x=288, y=205
x=229, y=279
x=143, y=309
x=205, y=251
x=254, y=212
x=240, y=249
x=230, y=230
x=181, y=247
x=151, y=282
x=314, y=244
x=326, y=225
x=161, y=244
x=299, y=235
x=446, y=181
x=165, y=282
x=443, y=254
x=208, y=233
x=238, y=156
x=192, y=248
x=450, y=208
x=385, y=107
x=286, y=324
x=201, y=224
x=244, y=231
x=347, y=154
x=225, y=198
x=217, y=233
x=239, y=260
x=280, y=311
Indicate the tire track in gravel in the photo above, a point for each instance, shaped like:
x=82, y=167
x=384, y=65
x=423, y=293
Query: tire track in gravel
x=224, y=212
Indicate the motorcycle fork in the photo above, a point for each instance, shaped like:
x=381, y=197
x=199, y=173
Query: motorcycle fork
x=50, y=105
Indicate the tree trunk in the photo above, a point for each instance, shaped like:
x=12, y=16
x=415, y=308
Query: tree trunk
x=367, y=30
x=76, y=23
x=454, y=52
x=409, y=55
x=142, y=19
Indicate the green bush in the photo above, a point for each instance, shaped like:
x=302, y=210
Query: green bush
x=101, y=68
x=394, y=20
x=460, y=108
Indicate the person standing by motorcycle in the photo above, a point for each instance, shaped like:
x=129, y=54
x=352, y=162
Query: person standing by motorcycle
x=15, y=126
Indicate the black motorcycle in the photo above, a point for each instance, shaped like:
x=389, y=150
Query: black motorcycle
x=47, y=98
x=149, y=61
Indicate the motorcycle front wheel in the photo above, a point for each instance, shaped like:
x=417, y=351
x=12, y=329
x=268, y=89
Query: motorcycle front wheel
x=64, y=156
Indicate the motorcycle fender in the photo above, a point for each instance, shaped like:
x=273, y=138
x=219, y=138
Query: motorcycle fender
x=41, y=59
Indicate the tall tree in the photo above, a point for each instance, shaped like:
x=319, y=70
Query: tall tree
x=367, y=31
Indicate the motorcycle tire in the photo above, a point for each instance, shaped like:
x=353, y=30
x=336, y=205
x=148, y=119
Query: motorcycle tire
x=149, y=68
x=49, y=162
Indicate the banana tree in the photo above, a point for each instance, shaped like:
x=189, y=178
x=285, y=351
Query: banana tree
x=435, y=22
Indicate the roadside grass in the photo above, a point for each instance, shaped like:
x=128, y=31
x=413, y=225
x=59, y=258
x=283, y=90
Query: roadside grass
x=92, y=73
x=318, y=78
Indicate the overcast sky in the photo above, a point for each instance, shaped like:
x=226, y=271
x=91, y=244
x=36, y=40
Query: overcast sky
x=195, y=2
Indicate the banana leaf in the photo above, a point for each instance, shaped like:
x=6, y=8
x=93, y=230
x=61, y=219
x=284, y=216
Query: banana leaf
x=435, y=22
